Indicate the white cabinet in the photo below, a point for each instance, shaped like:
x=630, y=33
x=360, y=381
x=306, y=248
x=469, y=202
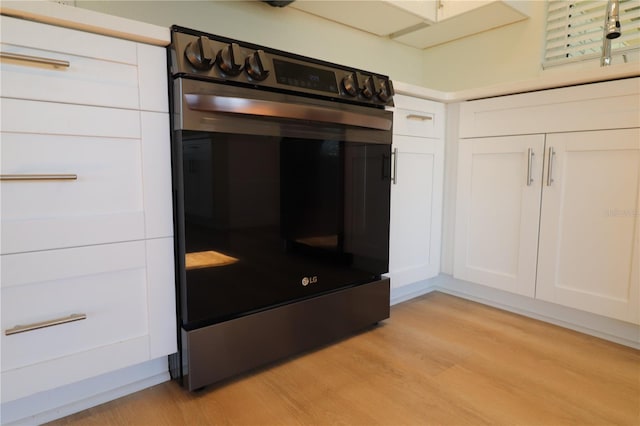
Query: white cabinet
x=590, y=226
x=87, y=235
x=416, y=203
x=100, y=202
x=457, y=19
x=416, y=192
x=450, y=8
x=379, y=17
x=427, y=10
x=553, y=215
x=419, y=24
x=497, y=211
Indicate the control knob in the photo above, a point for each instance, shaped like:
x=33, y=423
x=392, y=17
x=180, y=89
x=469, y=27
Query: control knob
x=350, y=85
x=385, y=92
x=199, y=54
x=256, y=65
x=229, y=59
x=368, y=88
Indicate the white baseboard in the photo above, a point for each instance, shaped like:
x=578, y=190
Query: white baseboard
x=407, y=292
x=621, y=332
x=66, y=400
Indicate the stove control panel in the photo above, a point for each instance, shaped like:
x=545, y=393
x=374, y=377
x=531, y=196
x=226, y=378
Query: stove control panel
x=208, y=57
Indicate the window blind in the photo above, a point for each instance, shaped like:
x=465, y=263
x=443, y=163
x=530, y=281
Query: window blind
x=574, y=30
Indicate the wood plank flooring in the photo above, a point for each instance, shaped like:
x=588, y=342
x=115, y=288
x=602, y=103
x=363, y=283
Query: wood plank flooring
x=438, y=360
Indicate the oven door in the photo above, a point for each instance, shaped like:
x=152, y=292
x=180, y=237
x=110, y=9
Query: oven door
x=277, y=198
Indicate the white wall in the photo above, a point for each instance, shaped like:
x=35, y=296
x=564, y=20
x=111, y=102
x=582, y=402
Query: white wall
x=505, y=54
x=285, y=28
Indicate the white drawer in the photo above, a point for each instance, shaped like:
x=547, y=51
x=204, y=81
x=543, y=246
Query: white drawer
x=84, y=81
x=41, y=62
x=106, y=283
x=65, y=119
x=418, y=117
x=103, y=204
x=20, y=32
x=414, y=123
x=597, y=106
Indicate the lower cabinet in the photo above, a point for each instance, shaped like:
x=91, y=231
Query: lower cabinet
x=553, y=217
x=86, y=251
x=416, y=209
x=497, y=211
x=75, y=313
x=590, y=223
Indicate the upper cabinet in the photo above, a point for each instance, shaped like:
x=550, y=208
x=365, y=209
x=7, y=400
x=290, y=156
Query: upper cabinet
x=458, y=19
x=419, y=24
x=379, y=17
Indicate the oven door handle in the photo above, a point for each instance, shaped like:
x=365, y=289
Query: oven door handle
x=256, y=107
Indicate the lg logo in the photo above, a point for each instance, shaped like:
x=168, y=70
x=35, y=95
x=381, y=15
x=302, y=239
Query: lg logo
x=309, y=280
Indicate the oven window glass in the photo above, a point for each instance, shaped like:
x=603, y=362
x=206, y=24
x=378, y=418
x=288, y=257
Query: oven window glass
x=271, y=220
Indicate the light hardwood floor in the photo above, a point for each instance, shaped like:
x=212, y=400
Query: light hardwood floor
x=437, y=360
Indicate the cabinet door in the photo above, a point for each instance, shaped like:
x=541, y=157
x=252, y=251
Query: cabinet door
x=590, y=227
x=416, y=210
x=497, y=211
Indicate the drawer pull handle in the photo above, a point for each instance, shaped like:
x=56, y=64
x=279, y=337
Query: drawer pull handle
x=37, y=59
x=419, y=117
x=59, y=176
x=35, y=326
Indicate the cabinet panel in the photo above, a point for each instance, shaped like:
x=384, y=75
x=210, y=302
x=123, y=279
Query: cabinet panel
x=152, y=78
x=416, y=210
x=589, y=236
x=110, y=300
x=162, y=299
x=156, y=172
x=103, y=204
x=497, y=211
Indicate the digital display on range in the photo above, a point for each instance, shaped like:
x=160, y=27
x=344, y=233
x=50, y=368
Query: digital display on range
x=305, y=76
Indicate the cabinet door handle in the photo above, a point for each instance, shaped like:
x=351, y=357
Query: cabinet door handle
x=418, y=117
x=36, y=59
x=394, y=173
x=530, y=155
x=26, y=177
x=37, y=325
x=552, y=155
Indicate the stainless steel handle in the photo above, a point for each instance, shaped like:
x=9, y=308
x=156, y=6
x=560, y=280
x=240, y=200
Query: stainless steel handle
x=25, y=177
x=37, y=325
x=36, y=59
x=394, y=173
x=530, y=155
x=419, y=117
x=552, y=154
x=263, y=108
